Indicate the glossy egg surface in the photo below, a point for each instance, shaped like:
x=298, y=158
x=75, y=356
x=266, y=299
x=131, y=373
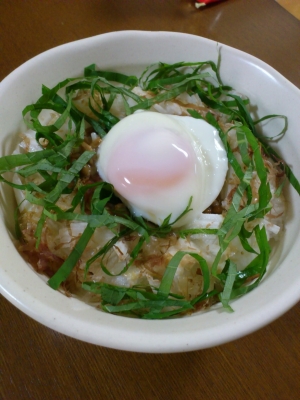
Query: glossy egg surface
x=157, y=162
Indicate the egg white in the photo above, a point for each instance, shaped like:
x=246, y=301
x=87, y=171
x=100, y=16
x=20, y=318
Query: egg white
x=150, y=135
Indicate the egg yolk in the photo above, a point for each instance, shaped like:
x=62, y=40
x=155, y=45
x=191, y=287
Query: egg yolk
x=150, y=161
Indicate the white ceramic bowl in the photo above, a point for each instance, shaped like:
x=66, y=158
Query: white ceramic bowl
x=130, y=52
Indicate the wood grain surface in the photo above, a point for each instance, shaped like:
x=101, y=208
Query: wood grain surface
x=38, y=363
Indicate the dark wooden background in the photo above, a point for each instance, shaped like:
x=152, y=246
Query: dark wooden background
x=38, y=363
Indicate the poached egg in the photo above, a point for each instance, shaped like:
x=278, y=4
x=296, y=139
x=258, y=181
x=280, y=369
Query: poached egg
x=157, y=162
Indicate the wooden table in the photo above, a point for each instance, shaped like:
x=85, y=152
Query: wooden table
x=38, y=363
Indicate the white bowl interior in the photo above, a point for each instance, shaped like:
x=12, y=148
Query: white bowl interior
x=129, y=52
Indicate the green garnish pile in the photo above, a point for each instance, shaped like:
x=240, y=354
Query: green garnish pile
x=60, y=171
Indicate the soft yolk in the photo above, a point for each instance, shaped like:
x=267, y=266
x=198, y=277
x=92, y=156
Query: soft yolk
x=147, y=162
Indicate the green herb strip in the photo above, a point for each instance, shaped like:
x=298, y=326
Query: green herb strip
x=150, y=303
x=60, y=175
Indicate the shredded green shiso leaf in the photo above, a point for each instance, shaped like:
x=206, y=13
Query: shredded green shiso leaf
x=60, y=173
